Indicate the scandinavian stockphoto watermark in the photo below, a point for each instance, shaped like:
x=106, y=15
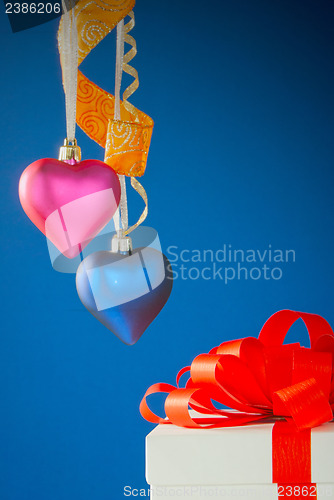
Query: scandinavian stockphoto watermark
x=229, y=264
x=225, y=264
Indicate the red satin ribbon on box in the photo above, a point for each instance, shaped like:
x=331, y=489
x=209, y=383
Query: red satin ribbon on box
x=262, y=379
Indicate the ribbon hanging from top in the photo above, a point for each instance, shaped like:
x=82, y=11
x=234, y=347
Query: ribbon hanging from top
x=126, y=141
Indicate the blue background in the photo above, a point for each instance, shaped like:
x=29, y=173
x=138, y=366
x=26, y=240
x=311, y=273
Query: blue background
x=242, y=153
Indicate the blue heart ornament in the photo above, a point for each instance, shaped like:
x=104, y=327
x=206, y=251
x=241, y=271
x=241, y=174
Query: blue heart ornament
x=125, y=292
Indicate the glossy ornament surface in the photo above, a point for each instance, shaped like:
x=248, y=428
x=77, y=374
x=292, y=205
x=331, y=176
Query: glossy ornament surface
x=125, y=292
x=69, y=202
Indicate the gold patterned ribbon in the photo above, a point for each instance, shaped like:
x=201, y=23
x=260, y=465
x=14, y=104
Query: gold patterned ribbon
x=126, y=140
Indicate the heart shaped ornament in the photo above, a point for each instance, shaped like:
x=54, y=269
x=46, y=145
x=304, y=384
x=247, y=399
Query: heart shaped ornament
x=125, y=292
x=70, y=202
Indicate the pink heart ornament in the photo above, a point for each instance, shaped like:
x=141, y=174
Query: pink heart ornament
x=69, y=203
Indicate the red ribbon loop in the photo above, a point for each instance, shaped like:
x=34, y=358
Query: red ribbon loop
x=260, y=378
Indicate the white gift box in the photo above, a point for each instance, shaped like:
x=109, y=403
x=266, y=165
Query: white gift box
x=230, y=463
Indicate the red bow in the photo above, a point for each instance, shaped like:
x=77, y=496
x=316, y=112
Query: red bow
x=260, y=378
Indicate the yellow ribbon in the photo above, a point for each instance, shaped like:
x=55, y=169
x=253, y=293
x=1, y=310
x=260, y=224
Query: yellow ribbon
x=126, y=141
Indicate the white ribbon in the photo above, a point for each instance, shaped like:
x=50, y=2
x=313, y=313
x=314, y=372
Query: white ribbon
x=68, y=49
x=117, y=116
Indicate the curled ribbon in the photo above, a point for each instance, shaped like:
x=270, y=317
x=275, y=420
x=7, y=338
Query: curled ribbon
x=127, y=140
x=261, y=378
